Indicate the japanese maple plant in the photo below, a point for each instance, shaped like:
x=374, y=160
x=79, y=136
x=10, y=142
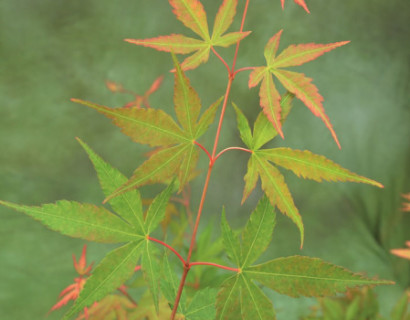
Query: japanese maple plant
x=179, y=284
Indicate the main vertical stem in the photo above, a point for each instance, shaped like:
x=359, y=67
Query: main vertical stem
x=231, y=76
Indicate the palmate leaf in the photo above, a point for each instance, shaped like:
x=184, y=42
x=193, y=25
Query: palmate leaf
x=296, y=83
x=240, y=297
x=303, y=163
x=98, y=224
x=177, y=154
x=192, y=14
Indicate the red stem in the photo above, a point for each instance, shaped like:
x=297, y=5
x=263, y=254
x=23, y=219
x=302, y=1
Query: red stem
x=204, y=149
x=231, y=148
x=222, y=59
x=169, y=247
x=243, y=69
x=231, y=73
x=214, y=265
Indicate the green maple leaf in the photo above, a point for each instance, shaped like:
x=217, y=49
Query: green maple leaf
x=192, y=14
x=241, y=298
x=296, y=83
x=178, y=153
x=302, y=163
x=94, y=223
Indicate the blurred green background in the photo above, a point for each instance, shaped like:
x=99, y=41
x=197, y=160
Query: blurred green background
x=53, y=50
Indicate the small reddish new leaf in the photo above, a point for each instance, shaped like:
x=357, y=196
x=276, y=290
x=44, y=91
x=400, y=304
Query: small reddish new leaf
x=81, y=265
x=402, y=253
x=406, y=205
x=69, y=293
x=299, y=2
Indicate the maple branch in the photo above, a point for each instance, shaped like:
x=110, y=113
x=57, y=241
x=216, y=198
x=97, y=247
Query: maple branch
x=179, y=293
x=204, y=149
x=231, y=148
x=169, y=247
x=231, y=73
x=214, y=265
x=222, y=59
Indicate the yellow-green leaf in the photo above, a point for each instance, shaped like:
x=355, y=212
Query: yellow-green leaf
x=303, y=276
x=80, y=220
x=148, y=126
x=308, y=165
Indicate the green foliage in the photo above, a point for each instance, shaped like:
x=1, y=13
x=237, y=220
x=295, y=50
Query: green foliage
x=174, y=163
x=357, y=304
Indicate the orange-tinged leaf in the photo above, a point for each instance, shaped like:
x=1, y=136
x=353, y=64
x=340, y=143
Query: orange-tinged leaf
x=154, y=86
x=81, y=265
x=192, y=14
x=271, y=48
x=302, y=3
x=147, y=126
x=193, y=61
x=304, y=90
x=69, y=293
x=229, y=39
x=406, y=205
x=251, y=178
x=270, y=102
x=296, y=55
x=312, y=166
x=176, y=43
x=224, y=17
x=296, y=83
x=113, y=86
x=256, y=76
x=274, y=186
x=402, y=253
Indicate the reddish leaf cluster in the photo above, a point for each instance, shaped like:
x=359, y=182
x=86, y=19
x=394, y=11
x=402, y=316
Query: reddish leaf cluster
x=139, y=100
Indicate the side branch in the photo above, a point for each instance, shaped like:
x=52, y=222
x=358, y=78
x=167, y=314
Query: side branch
x=169, y=247
x=204, y=149
x=214, y=265
x=231, y=148
x=222, y=59
x=243, y=69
